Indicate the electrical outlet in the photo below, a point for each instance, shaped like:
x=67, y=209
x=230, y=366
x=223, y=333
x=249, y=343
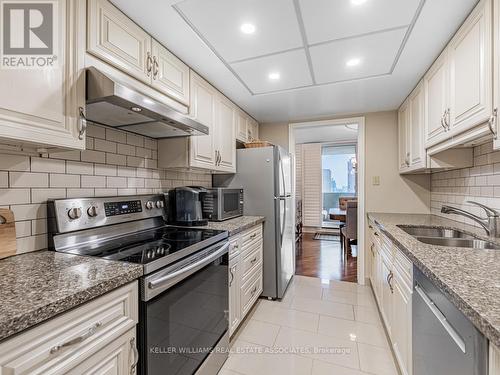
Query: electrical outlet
x=376, y=180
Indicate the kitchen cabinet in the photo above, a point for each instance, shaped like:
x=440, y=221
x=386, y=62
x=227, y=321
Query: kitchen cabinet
x=470, y=71
x=217, y=150
x=403, y=136
x=234, y=283
x=97, y=337
x=117, y=40
x=436, y=100
x=496, y=72
x=245, y=274
x=494, y=358
x=170, y=75
x=241, y=127
x=391, y=277
x=252, y=129
x=49, y=117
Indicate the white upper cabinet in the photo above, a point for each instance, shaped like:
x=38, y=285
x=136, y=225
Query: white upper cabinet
x=170, y=75
x=116, y=39
x=470, y=71
x=225, y=139
x=41, y=107
x=252, y=130
x=241, y=127
x=436, y=100
x=496, y=70
x=416, y=128
x=403, y=127
x=202, y=109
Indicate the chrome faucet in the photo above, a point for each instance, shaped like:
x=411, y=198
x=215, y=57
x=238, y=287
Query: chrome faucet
x=491, y=223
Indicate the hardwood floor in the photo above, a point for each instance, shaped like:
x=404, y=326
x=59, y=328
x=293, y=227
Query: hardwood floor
x=323, y=259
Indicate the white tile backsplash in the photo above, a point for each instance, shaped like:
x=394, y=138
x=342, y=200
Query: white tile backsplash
x=115, y=163
x=480, y=183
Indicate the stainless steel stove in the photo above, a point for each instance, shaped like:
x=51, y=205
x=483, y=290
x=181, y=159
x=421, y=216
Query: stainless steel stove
x=183, y=307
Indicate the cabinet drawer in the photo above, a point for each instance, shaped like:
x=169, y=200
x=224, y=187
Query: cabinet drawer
x=235, y=245
x=404, y=266
x=251, y=260
x=251, y=290
x=62, y=343
x=250, y=237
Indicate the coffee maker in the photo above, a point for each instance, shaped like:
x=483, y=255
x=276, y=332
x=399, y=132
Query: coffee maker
x=185, y=206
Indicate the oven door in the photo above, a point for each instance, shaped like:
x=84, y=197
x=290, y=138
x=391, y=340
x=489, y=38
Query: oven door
x=183, y=325
x=230, y=204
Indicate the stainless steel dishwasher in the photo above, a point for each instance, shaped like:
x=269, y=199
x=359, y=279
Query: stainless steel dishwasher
x=445, y=342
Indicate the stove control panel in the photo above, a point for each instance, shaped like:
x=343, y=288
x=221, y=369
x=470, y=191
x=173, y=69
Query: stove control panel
x=122, y=208
x=85, y=213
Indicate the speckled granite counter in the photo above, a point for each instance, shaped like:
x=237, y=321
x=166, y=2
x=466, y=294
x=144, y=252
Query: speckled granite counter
x=35, y=287
x=236, y=225
x=470, y=277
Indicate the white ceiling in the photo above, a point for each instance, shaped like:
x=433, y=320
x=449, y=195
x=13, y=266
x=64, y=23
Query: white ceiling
x=327, y=133
x=308, y=42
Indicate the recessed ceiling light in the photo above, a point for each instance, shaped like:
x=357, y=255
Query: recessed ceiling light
x=353, y=62
x=358, y=2
x=274, y=76
x=247, y=28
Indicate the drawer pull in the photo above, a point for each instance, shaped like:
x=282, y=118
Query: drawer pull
x=253, y=260
x=254, y=290
x=376, y=234
x=77, y=340
x=253, y=236
x=136, y=356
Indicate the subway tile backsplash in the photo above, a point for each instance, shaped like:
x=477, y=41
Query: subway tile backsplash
x=481, y=183
x=114, y=163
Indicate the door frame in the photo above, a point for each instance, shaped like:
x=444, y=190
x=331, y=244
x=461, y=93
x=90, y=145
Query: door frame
x=360, y=121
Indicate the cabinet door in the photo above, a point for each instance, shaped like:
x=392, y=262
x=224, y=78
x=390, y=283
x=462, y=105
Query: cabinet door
x=241, y=124
x=48, y=117
x=114, y=38
x=470, y=55
x=386, y=294
x=401, y=323
x=252, y=129
x=416, y=128
x=225, y=140
x=436, y=100
x=114, y=359
x=496, y=69
x=234, y=289
x=170, y=75
x=403, y=129
x=203, y=98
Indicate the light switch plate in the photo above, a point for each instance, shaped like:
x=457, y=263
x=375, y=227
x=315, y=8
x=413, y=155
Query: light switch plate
x=376, y=180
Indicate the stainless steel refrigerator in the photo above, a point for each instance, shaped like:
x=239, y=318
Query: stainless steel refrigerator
x=265, y=174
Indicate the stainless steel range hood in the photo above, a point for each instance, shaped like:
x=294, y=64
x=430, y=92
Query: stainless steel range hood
x=114, y=104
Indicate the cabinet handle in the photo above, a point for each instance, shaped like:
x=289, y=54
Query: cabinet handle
x=253, y=260
x=232, y=276
x=389, y=278
x=136, y=356
x=407, y=159
x=447, y=118
x=492, y=123
x=376, y=234
x=149, y=63
x=254, y=290
x=442, y=121
x=156, y=68
x=77, y=340
x=369, y=226
x=82, y=123
x=253, y=236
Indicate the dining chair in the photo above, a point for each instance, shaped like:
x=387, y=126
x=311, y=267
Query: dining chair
x=350, y=230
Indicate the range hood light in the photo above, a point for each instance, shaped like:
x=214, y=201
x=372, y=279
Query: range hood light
x=136, y=109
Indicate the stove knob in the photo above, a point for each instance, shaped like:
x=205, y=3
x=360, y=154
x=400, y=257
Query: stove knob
x=149, y=254
x=159, y=204
x=75, y=213
x=92, y=211
x=150, y=205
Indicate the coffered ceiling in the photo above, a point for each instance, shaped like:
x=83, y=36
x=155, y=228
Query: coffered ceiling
x=285, y=60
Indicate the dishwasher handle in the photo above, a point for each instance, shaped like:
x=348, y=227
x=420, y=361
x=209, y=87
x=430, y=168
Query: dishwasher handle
x=441, y=318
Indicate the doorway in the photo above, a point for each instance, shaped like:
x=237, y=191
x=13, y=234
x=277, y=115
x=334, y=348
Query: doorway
x=329, y=163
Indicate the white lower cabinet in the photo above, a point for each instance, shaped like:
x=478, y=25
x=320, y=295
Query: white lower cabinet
x=98, y=337
x=391, y=276
x=245, y=274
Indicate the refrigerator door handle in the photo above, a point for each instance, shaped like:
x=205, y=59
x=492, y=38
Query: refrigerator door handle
x=283, y=224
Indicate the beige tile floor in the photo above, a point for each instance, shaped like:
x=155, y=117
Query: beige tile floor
x=321, y=327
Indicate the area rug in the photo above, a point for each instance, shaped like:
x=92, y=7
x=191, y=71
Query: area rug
x=326, y=237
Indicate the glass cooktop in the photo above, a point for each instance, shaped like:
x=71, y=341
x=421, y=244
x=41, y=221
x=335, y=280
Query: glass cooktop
x=157, y=244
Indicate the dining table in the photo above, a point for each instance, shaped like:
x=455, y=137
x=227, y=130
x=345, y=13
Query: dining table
x=337, y=214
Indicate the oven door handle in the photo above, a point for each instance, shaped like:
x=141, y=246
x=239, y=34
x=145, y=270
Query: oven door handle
x=158, y=283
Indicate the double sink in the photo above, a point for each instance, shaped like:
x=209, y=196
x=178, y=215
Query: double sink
x=447, y=237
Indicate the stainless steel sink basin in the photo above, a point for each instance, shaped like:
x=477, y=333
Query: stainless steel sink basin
x=435, y=232
x=459, y=242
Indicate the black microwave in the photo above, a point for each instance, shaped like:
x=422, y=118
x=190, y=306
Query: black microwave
x=219, y=204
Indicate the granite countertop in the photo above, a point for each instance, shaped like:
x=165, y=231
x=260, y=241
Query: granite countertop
x=236, y=225
x=37, y=286
x=470, y=277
